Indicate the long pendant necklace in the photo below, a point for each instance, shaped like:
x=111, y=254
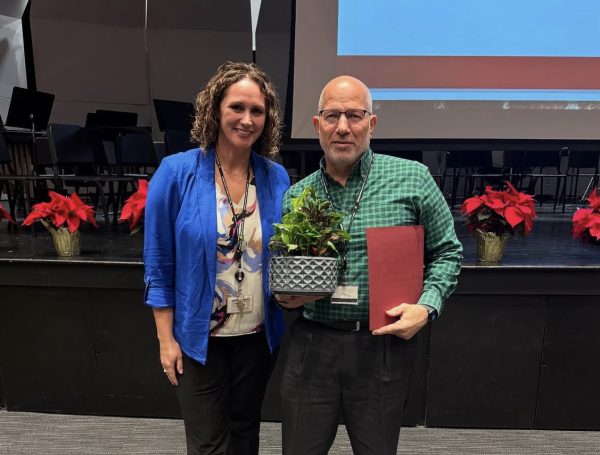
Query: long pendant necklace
x=238, y=220
x=344, y=249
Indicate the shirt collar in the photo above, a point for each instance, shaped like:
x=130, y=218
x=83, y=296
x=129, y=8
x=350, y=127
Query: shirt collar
x=361, y=167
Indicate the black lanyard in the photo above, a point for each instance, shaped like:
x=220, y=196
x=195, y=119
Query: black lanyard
x=239, y=249
x=344, y=252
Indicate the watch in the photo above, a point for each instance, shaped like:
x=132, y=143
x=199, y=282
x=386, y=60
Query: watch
x=432, y=313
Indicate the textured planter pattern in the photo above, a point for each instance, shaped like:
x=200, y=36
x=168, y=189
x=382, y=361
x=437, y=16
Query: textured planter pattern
x=490, y=247
x=303, y=275
x=66, y=244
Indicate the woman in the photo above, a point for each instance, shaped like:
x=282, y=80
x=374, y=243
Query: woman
x=209, y=216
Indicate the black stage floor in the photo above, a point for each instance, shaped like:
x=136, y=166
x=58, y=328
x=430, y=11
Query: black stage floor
x=549, y=245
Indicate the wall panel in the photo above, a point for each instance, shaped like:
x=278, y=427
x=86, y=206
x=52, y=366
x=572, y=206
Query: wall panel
x=273, y=43
x=90, y=53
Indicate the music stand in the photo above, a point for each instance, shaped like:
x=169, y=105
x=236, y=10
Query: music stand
x=91, y=120
x=29, y=109
x=108, y=118
x=174, y=115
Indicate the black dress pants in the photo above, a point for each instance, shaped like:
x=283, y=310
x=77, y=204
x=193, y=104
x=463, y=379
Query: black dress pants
x=221, y=401
x=329, y=373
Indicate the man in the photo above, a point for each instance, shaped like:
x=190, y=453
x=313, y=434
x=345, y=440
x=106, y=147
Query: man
x=335, y=365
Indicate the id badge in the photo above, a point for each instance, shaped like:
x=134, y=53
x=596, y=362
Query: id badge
x=345, y=295
x=241, y=304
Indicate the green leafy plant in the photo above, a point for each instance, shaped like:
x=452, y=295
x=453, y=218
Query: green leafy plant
x=311, y=228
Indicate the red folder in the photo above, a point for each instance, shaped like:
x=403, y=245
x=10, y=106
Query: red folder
x=395, y=258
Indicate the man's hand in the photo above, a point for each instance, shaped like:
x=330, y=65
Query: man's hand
x=411, y=319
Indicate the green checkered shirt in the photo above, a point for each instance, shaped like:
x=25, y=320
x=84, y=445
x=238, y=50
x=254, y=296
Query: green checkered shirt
x=398, y=192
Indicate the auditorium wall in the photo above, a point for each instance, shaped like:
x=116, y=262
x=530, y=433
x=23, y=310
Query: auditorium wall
x=120, y=54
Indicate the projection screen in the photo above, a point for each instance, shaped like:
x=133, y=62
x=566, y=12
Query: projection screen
x=504, y=69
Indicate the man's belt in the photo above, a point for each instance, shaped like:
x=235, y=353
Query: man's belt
x=343, y=326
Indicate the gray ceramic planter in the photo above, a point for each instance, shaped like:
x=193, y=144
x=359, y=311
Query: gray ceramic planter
x=303, y=275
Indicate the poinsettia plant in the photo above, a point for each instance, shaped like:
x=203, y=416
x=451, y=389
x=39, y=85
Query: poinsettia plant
x=586, y=221
x=4, y=214
x=500, y=212
x=61, y=212
x=134, y=207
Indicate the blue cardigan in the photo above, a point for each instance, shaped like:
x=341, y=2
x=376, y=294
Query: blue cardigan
x=180, y=243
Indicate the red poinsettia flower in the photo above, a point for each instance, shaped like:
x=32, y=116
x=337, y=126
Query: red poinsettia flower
x=57, y=208
x=520, y=208
x=500, y=212
x=61, y=210
x=134, y=206
x=594, y=201
x=78, y=211
x=586, y=222
x=4, y=214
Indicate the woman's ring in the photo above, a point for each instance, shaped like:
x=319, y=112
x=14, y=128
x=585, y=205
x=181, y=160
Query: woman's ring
x=164, y=371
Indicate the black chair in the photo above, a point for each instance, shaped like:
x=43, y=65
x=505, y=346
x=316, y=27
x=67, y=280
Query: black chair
x=137, y=158
x=177, y=141
x=533, y=168
x=107, y=118
x=78, y=155
x=44, y=168
x=473, y=167
x=16, y=187
x=513, y=165
x=136, y=154
x=580, y=160
x=22, y=189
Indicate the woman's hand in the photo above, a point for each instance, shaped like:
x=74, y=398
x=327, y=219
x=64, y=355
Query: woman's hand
x=171, y=360
x=171, y=357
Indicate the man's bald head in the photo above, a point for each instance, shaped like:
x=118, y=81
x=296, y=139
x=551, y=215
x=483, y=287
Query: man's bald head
x=350, y=83
x=345, y=135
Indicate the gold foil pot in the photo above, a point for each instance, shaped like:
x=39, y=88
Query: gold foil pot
x=490, y=247
x=66, y=244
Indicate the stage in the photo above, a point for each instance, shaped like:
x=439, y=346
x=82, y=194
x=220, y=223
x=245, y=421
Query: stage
x=515, y=346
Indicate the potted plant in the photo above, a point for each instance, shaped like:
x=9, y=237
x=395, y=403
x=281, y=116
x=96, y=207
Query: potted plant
x=494, y=216
x=61, y=216
x=586, y=221
x=304, y=247
x=134, y=207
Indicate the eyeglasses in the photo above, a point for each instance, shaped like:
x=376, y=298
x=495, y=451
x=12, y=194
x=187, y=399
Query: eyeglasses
x=353, y=116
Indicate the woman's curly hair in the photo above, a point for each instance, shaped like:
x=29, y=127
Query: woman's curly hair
x=205, y=130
